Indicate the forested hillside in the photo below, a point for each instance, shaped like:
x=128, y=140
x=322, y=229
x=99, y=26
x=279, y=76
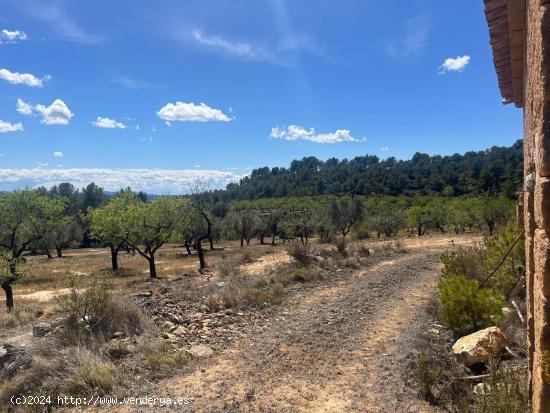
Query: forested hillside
x=497, y=170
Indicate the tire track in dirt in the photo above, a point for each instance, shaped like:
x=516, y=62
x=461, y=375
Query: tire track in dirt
x=340, y=346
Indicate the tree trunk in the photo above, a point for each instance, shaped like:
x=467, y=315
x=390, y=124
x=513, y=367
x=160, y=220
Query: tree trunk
x=419, y=229
x=242, y=242
x=200, y=252
x=188, y=249
x=248, y=241
x=48, y=254
x=6, y=286
x=211, y=241
x=262, y=242
x=152, y=267
x=59, y=252
x=114, y=257
x=273, y=240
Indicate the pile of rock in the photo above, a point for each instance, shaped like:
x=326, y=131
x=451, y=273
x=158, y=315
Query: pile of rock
x=183, y=323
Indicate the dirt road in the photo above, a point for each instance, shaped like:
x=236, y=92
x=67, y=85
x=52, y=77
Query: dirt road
x=339, y=346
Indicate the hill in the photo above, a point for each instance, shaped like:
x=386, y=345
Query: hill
x=498, y=170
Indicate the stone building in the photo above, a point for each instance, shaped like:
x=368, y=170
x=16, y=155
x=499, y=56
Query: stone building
x=520, y=38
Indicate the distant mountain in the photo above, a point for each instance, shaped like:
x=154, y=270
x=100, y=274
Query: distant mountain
x=498, y=170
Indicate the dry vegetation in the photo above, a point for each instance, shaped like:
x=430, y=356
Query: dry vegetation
x=111, y=331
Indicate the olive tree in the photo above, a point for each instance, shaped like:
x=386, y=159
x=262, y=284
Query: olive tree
x=25, y=219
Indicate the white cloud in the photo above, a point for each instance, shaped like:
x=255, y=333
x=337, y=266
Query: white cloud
x=189, y=112
x=239, y=49
x=24, y=108
x=278, y=53
x=58, y=154
x=295, y=132
x=384, y=149
x=415, y=39
x=10, y=127
x=22, y=78
x=108, y=123
x=58, y=113
x=8, y=36
x=157, y=181
x=457, y=64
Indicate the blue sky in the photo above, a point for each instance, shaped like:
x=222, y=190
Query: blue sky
x=154, y=94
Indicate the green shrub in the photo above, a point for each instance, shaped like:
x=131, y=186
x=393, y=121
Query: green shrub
x=464, y=307
x=467, y=261
x=509, y=272
x=429, y=371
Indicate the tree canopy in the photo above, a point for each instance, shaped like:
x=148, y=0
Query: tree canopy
x=498, y=171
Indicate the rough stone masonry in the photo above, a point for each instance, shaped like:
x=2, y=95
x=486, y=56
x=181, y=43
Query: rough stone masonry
x=520, y=38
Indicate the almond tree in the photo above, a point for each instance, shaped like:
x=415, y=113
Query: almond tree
x=148, y=226
x=106, y=224
x=25, y=219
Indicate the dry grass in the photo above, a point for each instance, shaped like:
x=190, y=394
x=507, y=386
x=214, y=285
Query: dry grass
x=80, y=358
x=95, y=313
x=76, y=371
x=23, y=315
x=159, y=358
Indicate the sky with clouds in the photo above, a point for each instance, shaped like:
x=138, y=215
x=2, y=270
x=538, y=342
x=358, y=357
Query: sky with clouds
x=155, y=95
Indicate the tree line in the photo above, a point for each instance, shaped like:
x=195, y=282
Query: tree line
x=498, y=170
x=41, y=221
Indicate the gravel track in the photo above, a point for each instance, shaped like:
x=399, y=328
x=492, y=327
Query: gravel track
x=342, y=345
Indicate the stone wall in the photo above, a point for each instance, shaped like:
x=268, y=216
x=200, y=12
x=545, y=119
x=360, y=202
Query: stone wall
x=536, y=201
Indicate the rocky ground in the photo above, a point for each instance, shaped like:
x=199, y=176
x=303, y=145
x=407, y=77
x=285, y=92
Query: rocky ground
x=344, y=344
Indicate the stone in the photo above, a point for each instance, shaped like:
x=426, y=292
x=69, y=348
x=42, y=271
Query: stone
x=542, y=204
x=542, y=261
x=117, y=335
x=507, y=312
x=146, y=294
x=480, y=346
x=41, y=329
x=480, y=389
x=200, y=351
